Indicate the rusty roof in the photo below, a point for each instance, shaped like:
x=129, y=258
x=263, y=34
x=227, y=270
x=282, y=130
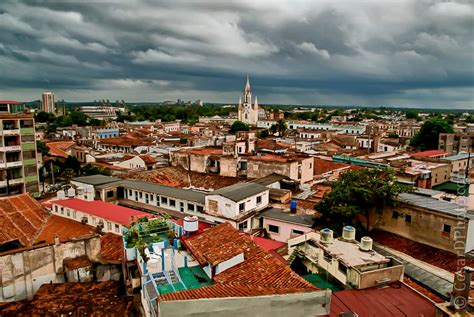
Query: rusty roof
x=71, y=264
x=111, y=248
x=21, y=218
x=66, y=229
x=59, y=148
x=125, y=141
x=73, y=299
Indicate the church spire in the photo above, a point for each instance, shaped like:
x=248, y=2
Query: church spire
x=247, y=85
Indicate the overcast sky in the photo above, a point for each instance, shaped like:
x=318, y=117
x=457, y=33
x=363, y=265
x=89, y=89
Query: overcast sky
x=402, y=53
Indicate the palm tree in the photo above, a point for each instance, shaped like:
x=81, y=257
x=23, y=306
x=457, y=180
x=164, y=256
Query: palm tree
x=281, y=127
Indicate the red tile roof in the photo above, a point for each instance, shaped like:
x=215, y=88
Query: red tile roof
x=259, y=274
x=223, y=291
x=73, y=299
x=21, y=218
x=71, y=264
x=66, y=229
x=324, y=166
x=431, y=153
x=125, y=141
x=102, y=209
x=267, y=244
x=111, y=248
x=59, y=148
x=10, y=102
x=147, y=159
x=204, y=151
x=394, y=300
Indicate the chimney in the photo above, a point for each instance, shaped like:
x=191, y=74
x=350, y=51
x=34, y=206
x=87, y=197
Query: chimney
x=56, y=239
x=461, y=287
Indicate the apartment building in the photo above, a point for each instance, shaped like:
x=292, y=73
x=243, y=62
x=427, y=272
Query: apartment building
x=453, y=143
x=47, y=102
x=18, y=165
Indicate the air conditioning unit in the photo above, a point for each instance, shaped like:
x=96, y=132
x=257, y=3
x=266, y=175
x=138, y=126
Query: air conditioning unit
x=84, y=220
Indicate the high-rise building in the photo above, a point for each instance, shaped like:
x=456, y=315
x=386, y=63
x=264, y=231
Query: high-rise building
x=248, y=112
x=18, y=164
x=47, y=102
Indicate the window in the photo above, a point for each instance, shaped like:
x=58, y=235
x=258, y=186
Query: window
x=241, y=207
x=74, y=214
x=259, y=200
x=227, y=205
x=243, y=226
x=68, y=212
x=200, y=209
x=130, y=192
x=273, y=229
x=446, y=229
x=408, y=218
x=190, y=207
x=56, y=208
x=110, y=194
x=327, y=256
x=94, y=221
x=297, y=232
x=395, y=214
x=164, y=200
x=62, y=211
x=172, y=203
x=342, y=267
x=117, y=228
x=140, y=194
x=109, y=226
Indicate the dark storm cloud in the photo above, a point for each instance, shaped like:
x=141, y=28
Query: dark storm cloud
x=416, y=53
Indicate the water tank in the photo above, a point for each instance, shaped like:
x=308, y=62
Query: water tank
x=326, y=236
x=60, y=194
x=71, y=193
x=191, y=224
x=348, y=233
x=366, y=244
x=293, y=206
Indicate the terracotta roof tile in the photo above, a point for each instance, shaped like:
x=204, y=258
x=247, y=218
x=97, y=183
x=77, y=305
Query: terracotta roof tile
x=259, y=274
x=21, y=218
x=73, y=299
x=59, y=148
x=66, y=229
x=71, y=264
x=111, y=247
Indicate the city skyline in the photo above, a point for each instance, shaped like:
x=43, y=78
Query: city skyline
x=404, y=54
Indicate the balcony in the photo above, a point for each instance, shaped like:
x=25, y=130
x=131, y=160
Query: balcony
x=15, y=181
x=31, y=179
x=29, y=162
x=11, y=132
x=28, y=146
x=27, y=130
x=13, y=164
x=11, y=148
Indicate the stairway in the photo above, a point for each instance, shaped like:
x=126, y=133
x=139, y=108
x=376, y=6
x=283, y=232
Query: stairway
x=296, y=252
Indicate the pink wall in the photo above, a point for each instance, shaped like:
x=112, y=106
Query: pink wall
x=285, y=229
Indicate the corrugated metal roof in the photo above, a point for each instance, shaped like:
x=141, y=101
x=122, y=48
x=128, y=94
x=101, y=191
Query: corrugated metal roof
x=240, y=191
x=433, y=204
x=184, y=194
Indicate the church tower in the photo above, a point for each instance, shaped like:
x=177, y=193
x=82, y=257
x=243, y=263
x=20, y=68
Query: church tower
x=248, y=111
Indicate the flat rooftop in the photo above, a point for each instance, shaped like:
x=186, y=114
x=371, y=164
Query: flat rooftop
x=436, y=205
x=286, y=216
x=240, y=191
x=95, y=179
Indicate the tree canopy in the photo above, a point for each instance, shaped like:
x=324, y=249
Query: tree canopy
x=428, y=136
x=360, y=192
x=238, y=126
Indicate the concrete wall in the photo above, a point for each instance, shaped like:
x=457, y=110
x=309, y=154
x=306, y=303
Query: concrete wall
x=425, y=226
x=369, y=279
x=285, y=229
x=221, y=267
x=76, y=215
x=230, y=209
x=22, y=273
x=295, y=305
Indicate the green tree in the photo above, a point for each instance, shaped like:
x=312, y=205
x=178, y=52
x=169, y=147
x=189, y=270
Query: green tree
x=90, y=169
x=73, y=163
x=263, y=134
x=238, y=126
x=428, y=136
x=393, y=135
x=68, y=173
x=42, y=148
x=44, y=117
x=95, y=122
x=282, y=127
x=361, y=192
x=410, y=114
